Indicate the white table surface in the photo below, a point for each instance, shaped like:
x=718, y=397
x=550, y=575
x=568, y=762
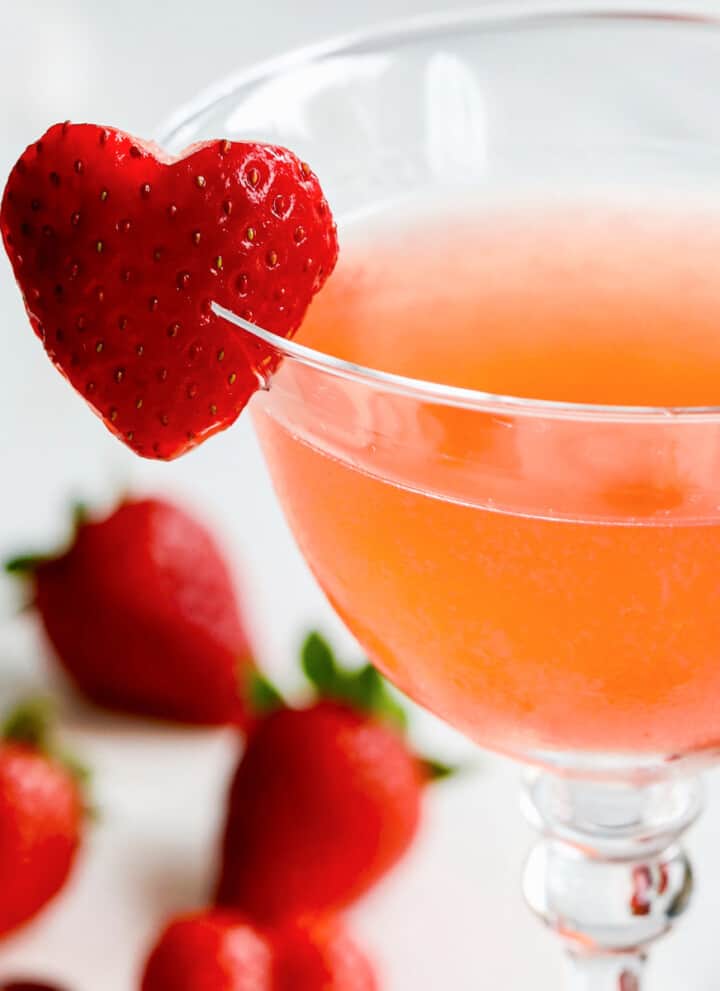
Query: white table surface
x=451, y=917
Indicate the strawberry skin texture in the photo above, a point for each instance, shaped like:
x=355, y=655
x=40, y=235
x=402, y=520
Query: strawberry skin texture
x=119, y=250
x=320, y=956
x=143, y=616
x=41, y=821
x=324, y=802
x=217, y=951
x=209, y=951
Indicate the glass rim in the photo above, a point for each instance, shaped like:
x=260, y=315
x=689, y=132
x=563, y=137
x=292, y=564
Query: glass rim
x=407, y=31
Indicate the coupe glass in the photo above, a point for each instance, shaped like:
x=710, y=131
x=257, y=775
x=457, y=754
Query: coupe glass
x=541, y=575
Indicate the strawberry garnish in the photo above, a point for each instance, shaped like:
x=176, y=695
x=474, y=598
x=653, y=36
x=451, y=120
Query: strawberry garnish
x=119, y=251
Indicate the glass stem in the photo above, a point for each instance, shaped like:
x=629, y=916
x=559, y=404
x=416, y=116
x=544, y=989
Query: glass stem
x=621, y=972
x=608, y=874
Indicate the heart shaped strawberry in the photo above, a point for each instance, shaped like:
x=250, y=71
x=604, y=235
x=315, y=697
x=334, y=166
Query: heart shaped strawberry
x=119, y=251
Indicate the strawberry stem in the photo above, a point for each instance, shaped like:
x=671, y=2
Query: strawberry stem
x=24, y=564
x=80, y=514
x=435, y=770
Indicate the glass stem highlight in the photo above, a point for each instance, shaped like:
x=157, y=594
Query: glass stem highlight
x=608, y=874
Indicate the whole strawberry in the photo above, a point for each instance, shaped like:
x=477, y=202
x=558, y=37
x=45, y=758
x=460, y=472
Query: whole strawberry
x=220, y=951
x=143, y=615
x=41, y=818
x=209, y=951
x=318, y=955
x=325, y=799
x=119, y=251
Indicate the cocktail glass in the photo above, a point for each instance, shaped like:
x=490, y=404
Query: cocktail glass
x=542, y=575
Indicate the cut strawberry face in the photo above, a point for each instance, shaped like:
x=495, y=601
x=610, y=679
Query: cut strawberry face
x=119, y=252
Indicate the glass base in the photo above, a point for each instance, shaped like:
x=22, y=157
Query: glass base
x=608, y=874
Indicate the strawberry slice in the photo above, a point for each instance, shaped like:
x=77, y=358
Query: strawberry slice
x=119, y=251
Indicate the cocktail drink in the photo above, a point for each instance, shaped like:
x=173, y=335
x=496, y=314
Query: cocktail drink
x=497, y=435
x=595, y=625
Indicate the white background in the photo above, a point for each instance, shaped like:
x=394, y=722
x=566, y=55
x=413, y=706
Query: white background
x=452, y=916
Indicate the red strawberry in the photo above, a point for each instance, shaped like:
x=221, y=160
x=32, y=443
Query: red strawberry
x=320, y=956
x=324, y=802
x=119, y=250
x=143, y=616
x=209, y=951
x=214, y=951
x=41, y=819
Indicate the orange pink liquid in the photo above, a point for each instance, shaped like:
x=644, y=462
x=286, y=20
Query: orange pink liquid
x=524, y=632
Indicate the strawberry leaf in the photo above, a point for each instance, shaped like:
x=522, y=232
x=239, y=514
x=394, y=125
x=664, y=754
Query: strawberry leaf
x=262, y=695
x=81, y=772
x=435, y=770
x=24, y=564
x=319, y=665
x=369, y=690
x=29, y=723
x=364, y=689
